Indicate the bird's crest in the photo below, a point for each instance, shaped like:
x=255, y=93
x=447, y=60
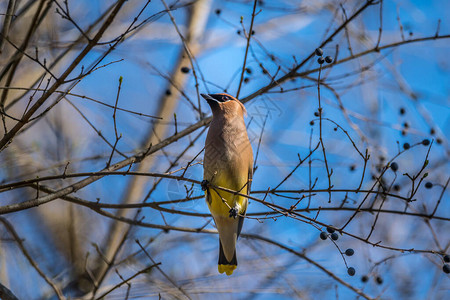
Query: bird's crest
x=222, y=98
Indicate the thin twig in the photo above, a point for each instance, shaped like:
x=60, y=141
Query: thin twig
x=249, y=35
x=380, y=29
x=320, y=110
x=32, y=262
x=115, y=123
x=127, y=280
x=162, y=272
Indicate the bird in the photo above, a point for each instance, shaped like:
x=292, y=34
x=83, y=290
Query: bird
x=228, y=163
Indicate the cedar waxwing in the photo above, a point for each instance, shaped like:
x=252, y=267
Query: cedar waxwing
x=228, y=162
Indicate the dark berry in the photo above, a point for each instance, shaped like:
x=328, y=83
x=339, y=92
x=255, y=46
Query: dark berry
x=330, y=230
x=185, y=69
x=335, y=128
x=447, y=258
x=404, y=132
x=394, y=166
x=432, y=131
x=402, y=111
x=316, y=114
x=349, y=252
x=311, y=123
x=426, y=142
x=246, y=79
x=323, y=235
x=334, y=236
x=253, y=32
x=439, y=141
x=168, y=92
x=379, y=280
x=406, y=146
x=428, y=185
x=218, y=11
x=351, y=271
x=319, y=52
x=396, y=187
x=238, y=32
x=329, y=59
x=320, y=60
x=364, y=278
x=446, y=268
x=248, y=70
x=352, y=168
x=406, y=125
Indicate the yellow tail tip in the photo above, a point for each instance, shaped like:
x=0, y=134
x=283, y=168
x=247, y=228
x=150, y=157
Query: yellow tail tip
x=228, y=269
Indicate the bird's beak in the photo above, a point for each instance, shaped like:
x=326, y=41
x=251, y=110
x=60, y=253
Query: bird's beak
x=211, y=101
x=207, y=97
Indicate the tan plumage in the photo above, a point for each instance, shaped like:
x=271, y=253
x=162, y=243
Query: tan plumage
x=228, y=162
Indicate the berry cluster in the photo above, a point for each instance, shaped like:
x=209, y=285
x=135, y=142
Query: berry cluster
x=321, y=59
x=406, y=126
x=334, y=236
x=446, y=266
x=378, y=279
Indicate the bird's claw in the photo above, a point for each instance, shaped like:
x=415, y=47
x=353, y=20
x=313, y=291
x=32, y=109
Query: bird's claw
x=204, y=184
x=233, y=212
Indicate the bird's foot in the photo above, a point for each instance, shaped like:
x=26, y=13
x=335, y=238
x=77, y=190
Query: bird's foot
x=233, y=212
x=204, y=184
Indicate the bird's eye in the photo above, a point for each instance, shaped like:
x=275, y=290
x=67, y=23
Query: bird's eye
x=220, y=97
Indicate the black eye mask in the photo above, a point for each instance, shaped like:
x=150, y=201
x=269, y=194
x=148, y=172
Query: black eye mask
x=220, y=98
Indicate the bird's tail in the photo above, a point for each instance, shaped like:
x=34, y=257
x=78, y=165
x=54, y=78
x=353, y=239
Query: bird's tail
x=224, y=265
